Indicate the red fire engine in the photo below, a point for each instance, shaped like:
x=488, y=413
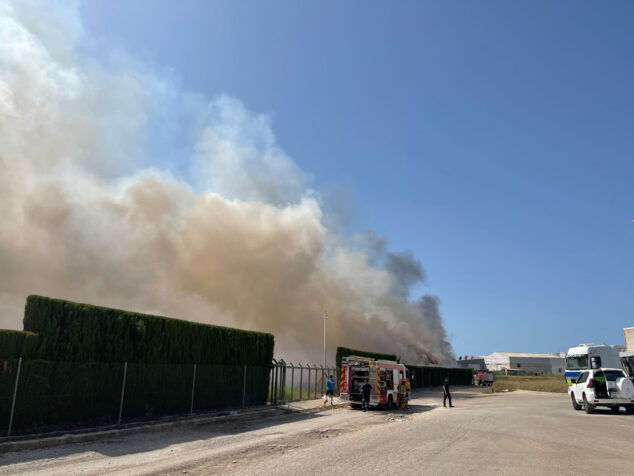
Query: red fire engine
x=483, y=378
x=383, y=375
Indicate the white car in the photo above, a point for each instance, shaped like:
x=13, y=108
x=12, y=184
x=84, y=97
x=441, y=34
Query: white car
x=602, y=388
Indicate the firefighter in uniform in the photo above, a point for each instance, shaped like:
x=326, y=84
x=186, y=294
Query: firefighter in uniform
x=402, y=395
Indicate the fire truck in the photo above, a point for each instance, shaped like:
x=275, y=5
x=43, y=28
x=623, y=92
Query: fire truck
x=483, y=378
x=383, y=375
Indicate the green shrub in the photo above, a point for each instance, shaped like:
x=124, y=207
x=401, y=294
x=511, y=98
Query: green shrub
x=84, y=333
x=346, y=351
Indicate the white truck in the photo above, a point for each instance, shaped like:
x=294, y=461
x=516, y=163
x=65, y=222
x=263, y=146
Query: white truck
x=590, y=356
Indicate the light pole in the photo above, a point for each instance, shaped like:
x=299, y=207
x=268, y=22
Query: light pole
x=325, y=317
x=323, y=369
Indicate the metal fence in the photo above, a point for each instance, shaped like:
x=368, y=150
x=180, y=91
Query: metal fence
x=291, y=383
x=38, y=396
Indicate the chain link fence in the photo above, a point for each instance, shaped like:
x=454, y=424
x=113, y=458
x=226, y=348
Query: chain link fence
x=292, y=383
x=38, y=396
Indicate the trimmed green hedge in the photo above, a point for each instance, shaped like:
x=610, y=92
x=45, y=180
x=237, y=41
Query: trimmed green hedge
x=346, y=351
x=74, y=332
x=73, y=372
x=435, y=376
x=16, y=344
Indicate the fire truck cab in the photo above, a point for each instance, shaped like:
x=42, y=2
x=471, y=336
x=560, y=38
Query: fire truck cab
x=383, y=375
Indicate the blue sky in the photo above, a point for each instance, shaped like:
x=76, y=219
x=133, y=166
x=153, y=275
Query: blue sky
x=493, y=139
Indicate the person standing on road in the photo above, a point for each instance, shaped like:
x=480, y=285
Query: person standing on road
x=330, y=390
x=402, y=395
x=446, y=393
x=365, y=392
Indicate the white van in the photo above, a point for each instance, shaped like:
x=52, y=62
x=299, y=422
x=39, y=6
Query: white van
x=590, y=356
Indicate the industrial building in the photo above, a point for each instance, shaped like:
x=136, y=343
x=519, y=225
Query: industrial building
x=530, y=364
x=475, y=363
x=629, y=339
x=627, y=357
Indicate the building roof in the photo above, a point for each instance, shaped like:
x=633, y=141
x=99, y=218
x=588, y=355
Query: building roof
x=536, y=356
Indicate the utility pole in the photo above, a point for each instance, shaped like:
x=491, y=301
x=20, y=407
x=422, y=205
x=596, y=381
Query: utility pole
x=325, y=317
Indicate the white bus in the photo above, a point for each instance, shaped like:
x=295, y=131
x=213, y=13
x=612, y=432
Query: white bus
x=590, y=356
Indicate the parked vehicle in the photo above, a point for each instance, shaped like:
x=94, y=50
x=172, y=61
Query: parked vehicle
x=627, y=362
x=483, y=378
x=383, y=375
x=590, y=356
x=514, y=372
x=602, y=387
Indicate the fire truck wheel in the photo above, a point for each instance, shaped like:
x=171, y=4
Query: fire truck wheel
x=390, y=403
x=630, y=409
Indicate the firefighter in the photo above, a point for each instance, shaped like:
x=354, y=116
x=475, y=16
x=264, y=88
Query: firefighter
x=402, y=395
x=365, y=392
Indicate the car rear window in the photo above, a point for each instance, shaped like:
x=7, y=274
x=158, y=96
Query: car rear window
x=613, y=375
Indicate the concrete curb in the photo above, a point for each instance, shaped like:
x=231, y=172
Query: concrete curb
x=69, y=438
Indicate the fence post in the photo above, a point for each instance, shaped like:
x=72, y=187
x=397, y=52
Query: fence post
x=282, y=378
x=292, y=380
x=275, y=384
x=244, y=387
x=191, y=407
x=15, y=393
x=316, y=374
x=323, y=380
x=301, y=380
x=271, y=372
x=125, y=372
x=308, y=393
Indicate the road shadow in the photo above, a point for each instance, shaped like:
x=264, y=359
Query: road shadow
x=413, y=408
x=150, y=439
x=607, y=411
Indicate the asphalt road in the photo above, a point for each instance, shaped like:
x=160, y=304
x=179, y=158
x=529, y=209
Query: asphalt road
x=513, y=433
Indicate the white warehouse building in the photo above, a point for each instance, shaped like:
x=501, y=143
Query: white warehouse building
x=531, y=364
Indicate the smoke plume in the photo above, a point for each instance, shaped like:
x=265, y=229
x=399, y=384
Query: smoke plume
x=118, y=188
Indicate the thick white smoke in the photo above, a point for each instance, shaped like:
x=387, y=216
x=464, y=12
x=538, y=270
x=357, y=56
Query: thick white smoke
x=119, y=189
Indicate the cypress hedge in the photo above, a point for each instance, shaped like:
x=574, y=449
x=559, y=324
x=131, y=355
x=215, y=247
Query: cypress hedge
x=425, y=376
x=74, y=332
x=16, y=344
x=346, y=351
x=79, y=383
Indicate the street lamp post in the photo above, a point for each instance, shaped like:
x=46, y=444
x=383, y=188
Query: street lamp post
x=325, y=317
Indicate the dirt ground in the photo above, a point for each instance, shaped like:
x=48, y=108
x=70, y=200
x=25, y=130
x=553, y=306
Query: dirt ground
x=511, y=433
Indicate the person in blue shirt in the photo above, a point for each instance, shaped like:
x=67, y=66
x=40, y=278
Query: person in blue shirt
x=330, y=390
